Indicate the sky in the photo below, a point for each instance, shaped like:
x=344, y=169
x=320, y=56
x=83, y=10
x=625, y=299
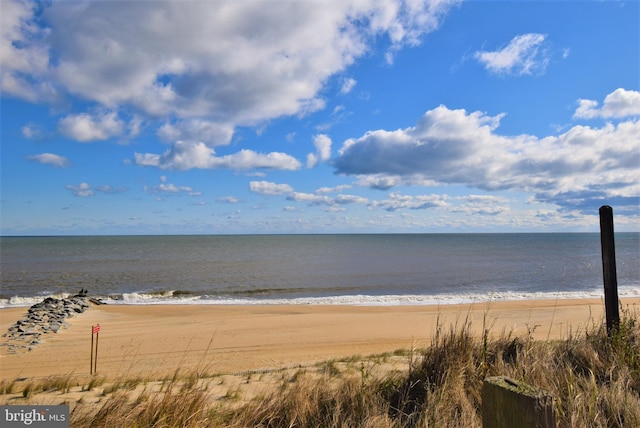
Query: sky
x=309, y=116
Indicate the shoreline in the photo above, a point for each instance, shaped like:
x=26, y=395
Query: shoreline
x=156, y=340
x=181, y=297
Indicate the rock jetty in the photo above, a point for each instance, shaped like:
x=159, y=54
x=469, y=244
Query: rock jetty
x=43, y=318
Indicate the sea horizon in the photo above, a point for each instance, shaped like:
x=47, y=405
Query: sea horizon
x=317, y=233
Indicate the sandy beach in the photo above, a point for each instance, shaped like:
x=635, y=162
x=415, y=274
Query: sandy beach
x=158, y=339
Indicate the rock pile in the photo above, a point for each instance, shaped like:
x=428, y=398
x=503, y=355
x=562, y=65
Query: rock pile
x=48, y=316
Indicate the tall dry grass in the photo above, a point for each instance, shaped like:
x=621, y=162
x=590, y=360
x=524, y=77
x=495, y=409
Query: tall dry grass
x=594, y=378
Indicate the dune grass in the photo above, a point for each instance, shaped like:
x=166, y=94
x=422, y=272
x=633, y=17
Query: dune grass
x=593, y=377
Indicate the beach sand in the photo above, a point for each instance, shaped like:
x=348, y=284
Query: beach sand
x=155, y=340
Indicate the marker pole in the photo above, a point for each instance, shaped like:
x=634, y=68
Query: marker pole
x=91, y=364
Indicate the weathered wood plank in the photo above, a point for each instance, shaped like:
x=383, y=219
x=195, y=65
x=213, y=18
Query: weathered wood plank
x=510, y=404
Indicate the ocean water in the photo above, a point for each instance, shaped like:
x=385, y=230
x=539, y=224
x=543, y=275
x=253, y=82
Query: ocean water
x=377, y=269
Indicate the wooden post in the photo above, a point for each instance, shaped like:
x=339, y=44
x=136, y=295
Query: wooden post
x=508, y=404
x=91, y=364
x=609, y=268
x=93, y=368
x=95, y=361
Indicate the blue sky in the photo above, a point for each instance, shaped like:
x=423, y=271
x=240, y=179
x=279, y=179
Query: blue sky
x=210, y=117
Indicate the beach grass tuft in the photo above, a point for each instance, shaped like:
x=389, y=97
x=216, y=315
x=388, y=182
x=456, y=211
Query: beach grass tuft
x=7, y=387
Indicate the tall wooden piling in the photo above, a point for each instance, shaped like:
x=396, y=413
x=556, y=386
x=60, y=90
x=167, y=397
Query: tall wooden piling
x=609, y=269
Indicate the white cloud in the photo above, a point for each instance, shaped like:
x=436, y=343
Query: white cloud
x=168, y=188
x=322, y=143
x=23, y=55
x=82, y=190
x=248, y=159
x=525, y=54
x=387, y=181
x=135, y=126
x=84, y=127
x=323, y=146
x=184, y=155
x=379, y=181
x=398, y=201
x=290, y=137
x=618, y=104
x=347, y=85
x=310, y=198
x=51, y=159
x=350, y=199
x=228, y=200
x=233, y=63
x=268, y=188
x=315, y=199
x=578, y=169
x=197, y=130
x=32, y=131
x=312, y=160
x=340, y=188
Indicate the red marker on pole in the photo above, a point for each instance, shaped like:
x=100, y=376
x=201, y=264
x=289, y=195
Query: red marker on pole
x=93, y=368
x=91, y=364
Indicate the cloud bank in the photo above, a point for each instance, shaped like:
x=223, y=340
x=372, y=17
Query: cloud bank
x=579, y=169
x=201, y=68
